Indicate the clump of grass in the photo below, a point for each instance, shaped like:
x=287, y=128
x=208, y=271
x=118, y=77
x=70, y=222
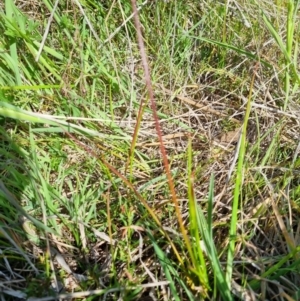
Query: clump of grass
x=101, y=200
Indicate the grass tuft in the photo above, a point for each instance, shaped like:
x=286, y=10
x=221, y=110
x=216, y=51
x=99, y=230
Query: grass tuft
x=149, y=150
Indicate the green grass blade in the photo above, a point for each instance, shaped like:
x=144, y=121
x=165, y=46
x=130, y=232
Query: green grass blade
x=170, y=273
x=7, y=110
x=234, y=48
x=11, y=14
x=237, y=187
x=197, y=255
x=222, y=285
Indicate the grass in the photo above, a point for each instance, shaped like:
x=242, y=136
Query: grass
x=149, y=158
